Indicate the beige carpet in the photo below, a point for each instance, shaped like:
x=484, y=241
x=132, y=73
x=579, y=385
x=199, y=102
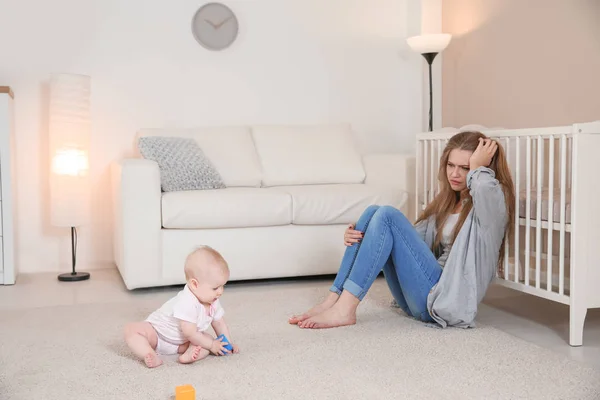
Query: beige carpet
x=76, y=352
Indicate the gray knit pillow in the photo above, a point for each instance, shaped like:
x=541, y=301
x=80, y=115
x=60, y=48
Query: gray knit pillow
x=182, y=164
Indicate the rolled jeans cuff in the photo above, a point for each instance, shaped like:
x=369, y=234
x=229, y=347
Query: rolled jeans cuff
x=354, y=289
x=335, y=290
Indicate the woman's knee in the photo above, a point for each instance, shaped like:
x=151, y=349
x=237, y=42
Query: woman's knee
x=370, y=210
x=365, y=218
x=389, y=213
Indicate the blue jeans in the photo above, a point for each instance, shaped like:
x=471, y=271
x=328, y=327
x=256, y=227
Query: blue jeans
x=390, y=243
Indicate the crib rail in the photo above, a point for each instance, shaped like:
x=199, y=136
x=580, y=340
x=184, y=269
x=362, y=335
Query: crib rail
x=537, y=257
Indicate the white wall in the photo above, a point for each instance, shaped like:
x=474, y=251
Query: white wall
x=295, y=61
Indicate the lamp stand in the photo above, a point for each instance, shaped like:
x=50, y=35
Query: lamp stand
x=73, y=276
x=430, y=57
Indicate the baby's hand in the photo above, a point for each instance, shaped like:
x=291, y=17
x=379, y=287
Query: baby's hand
x=218, y=347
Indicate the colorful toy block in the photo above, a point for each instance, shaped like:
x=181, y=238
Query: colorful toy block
x=228, y=346
x=185, y=392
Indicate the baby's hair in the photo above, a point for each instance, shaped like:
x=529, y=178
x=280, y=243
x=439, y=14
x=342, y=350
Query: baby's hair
x=206, y=251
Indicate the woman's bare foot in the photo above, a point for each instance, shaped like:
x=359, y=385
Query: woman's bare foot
x=152, y=360
x=342, y=313
x=330, y=318
x=319, y=308
x=193, y=353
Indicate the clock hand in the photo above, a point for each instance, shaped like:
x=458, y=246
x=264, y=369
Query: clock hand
x=222, y=22
x=211, y=23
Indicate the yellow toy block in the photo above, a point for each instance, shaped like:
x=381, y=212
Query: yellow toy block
x=185, y=392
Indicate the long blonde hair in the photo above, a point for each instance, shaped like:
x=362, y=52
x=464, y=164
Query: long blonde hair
x=446, y=200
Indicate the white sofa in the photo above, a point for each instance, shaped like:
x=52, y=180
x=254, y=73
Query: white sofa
x=291, y=191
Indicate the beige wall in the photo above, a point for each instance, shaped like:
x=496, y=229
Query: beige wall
x=521, y=63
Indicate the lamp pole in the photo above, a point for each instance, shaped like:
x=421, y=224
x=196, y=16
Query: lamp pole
x=430, y=57
x=429, y=46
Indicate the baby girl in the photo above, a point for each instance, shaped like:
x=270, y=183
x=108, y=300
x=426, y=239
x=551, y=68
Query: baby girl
x=179, y=326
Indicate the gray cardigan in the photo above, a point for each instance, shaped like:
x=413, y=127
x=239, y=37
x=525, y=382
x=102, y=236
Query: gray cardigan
x=473, y=259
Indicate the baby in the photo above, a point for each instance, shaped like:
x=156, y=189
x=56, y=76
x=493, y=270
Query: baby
x=179, y=326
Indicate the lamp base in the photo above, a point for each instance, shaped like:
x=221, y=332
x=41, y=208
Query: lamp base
x=74, y=277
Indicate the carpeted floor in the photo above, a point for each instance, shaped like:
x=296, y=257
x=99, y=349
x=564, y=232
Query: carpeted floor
x=77, y=352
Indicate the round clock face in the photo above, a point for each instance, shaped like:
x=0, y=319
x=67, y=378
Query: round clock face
x=215, y=26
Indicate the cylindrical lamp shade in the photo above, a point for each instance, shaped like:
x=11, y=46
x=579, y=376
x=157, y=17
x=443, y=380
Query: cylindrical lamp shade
x=69, y=143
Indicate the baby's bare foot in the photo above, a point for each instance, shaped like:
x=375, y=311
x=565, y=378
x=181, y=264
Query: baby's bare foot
x=193, y=353
x=152, y=360
x=319, y=308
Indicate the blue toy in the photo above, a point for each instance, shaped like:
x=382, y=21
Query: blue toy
x=228, y=346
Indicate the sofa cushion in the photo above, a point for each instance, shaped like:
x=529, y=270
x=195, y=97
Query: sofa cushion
x=230, y=149
x=226, y=208
x=307, y=154
x=339, y=204
x=182, y=164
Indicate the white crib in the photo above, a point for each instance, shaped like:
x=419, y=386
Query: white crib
x=555, y=252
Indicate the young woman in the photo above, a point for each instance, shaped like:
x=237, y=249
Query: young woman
x=439, y=269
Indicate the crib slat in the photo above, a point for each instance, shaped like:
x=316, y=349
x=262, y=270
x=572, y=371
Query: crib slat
x=550, y=212
x=426, y=156
x=418, y=166
x=507, y=242
x=432, y=171
x=517, y=208
x=563, y=190
x=538, y=231
x=439, y=156
x=569, y=160
x=528, y=210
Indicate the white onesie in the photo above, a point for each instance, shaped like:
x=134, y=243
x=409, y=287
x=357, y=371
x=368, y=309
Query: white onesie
x=184, y=306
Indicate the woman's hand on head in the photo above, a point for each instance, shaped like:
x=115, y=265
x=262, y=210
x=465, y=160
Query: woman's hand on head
x=482, y=156
x=352, y=236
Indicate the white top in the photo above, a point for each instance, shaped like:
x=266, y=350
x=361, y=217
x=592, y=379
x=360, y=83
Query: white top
x=447, y=237
x=184, y=306
x=448, y=228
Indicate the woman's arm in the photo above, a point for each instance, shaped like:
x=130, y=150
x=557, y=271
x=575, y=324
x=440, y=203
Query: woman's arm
x=488, y=197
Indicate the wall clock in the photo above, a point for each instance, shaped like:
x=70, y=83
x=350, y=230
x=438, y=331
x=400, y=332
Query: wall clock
x=215, y=26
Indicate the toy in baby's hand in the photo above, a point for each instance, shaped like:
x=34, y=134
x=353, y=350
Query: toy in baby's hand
x=228, y=346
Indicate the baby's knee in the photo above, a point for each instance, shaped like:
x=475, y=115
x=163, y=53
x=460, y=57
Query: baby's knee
x=129, y=329
x=136, y=328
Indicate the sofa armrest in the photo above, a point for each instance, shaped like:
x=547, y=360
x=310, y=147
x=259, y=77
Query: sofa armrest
x=393, y=169
x=136, y=196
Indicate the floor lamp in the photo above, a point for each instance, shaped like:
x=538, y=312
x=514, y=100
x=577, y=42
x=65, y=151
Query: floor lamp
x=429, y=46
x=69, y=138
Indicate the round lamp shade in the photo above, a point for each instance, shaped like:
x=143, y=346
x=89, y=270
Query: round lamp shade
x=433, y=43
